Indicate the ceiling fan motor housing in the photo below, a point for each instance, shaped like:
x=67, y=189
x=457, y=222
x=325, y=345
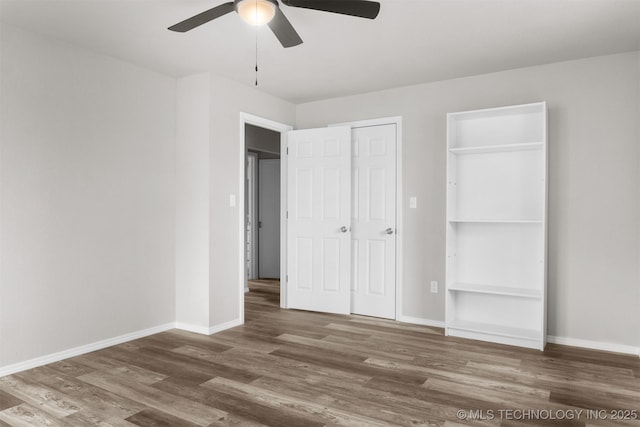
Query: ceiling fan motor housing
x=236, y=2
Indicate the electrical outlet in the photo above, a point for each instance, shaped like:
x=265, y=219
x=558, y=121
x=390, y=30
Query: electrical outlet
x=434, y=287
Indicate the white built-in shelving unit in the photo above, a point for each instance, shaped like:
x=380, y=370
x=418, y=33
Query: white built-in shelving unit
x=496, y=225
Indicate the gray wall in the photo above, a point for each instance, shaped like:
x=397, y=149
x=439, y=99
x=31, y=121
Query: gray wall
x=86, y=197
x=208, y=280
x=594, y=197
x=228, y=99
x=192, y=203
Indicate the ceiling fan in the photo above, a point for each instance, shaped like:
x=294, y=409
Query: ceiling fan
x=259, y=12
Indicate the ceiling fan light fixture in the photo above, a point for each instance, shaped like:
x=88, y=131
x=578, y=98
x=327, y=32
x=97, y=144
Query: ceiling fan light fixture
x=256, y=12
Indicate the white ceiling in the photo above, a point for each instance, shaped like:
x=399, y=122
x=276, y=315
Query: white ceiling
x=411, y=41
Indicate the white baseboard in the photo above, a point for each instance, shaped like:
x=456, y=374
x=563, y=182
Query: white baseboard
x=572, y=342
x=421, y=321
x=204, y=330
x=83, y=349
x=594, y=345
x=197, y=329
x=224, y=326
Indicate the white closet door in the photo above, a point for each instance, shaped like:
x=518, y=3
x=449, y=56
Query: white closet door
x=319, y=213
x=373, y=281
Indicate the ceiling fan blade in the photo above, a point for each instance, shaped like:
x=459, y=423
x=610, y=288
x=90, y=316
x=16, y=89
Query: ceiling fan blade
x=203, y=18
x=283, y=30
x=359, y=8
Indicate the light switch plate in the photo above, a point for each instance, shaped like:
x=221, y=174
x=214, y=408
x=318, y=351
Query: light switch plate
x=232, y=200
x=413, y=202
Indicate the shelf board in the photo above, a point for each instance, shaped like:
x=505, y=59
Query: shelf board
x=509, y=110
x=487, y=328
x=498, y=148
x=495, y=290
x=497, y=221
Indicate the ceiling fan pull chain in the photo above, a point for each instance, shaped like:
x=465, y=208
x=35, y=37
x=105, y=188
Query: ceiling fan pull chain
x=256, y=56
x=256, y=12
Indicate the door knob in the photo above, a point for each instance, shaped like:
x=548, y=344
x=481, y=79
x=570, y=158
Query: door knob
x=343, y=229
x=389, y=231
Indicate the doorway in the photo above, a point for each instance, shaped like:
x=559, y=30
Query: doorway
x=261, y=143
x=262, y=204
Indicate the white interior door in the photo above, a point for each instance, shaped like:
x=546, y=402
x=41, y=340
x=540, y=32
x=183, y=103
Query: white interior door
x=373, y=281
x=269, y=218
x=318, y=224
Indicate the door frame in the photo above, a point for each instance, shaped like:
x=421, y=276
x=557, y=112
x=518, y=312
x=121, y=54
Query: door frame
x=396, y=120
x=252, y=164
x=282, y=128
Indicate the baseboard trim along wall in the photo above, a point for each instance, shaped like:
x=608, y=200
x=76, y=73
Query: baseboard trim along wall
x=594, y=345
x=196, y=329
x=224, y=326
x=83, y=349
x=571, y=342
x=421, y=321
x=204, y=330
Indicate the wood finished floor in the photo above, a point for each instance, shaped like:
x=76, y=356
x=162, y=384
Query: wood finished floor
x=294, y=368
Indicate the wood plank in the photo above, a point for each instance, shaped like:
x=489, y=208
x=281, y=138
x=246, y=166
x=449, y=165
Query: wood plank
x=88, y=398
x=152, y=397
x=46, y=399
x=447, y=398
x=7, y=400
x=156, y=418
x=209, y=369
x=71, y=367
x=262, y=364
x=103, y=363
x=25, y=415
x=369, y=402
x=594, y=401
x=88, y=418
x=344, y=348
x=281, y=402
x=176, y=338
x=141, y=358
x=331, y=360
x=242, y=405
